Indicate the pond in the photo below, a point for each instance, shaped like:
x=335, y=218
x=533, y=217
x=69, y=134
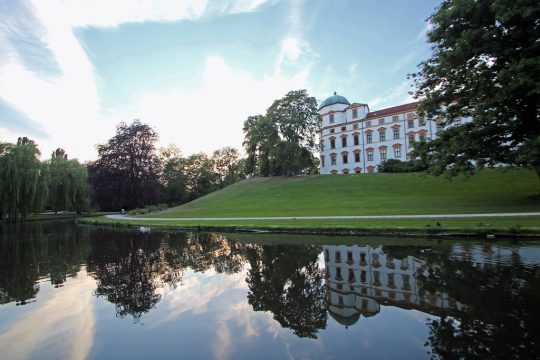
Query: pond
x=77, y=292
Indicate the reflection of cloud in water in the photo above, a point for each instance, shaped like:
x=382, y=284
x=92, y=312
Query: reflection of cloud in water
x=66, y=321
x=196, y=291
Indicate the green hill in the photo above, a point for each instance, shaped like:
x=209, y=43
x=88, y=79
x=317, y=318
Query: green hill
x=488, y=191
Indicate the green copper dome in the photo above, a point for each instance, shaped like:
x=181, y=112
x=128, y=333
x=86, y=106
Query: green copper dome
x=336, y=99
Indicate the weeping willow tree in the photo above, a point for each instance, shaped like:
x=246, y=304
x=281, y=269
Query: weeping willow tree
x=68, y=185
x=23, y=180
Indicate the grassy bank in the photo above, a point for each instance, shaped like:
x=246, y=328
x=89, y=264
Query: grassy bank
x=489, y=191
x=479, y=226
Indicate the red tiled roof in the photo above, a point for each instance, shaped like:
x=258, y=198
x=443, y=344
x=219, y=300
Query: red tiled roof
x=392, y=110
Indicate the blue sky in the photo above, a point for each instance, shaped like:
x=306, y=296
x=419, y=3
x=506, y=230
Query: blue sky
x=70, y=71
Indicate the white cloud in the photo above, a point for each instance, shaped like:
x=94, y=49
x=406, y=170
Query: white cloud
x=106, y=13
x=67, y=104
x=211, y=115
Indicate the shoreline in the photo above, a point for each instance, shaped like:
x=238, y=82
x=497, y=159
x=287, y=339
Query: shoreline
x=497, y=233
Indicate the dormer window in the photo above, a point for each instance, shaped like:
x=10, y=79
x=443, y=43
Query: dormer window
x=355, y=113
x=331, y=118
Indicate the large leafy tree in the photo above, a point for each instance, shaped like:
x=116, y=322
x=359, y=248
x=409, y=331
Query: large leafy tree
x=228, y=166
x=23, y=180
x=281, y=142
x=485, y=65
x=68, y=186
x=126, y=172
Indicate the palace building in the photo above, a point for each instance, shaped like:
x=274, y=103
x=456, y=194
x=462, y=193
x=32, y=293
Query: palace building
x=354, y=139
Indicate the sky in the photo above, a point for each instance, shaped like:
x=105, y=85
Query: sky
x=194, y=70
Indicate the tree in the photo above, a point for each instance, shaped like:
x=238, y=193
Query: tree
x=282, y=141
x=227, y=166
x=201, y=179
x=68, y=186
x=174, y=178
x=23, y=180
x=126, y=172
x=485, y=65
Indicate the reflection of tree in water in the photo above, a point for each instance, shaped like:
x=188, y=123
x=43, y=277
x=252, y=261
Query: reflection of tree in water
x=127, y=267
x=287, y=281
x=37, y=250
x=500, y=316
x=130, y=267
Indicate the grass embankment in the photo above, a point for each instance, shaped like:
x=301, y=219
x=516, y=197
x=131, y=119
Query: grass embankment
x=489, y=191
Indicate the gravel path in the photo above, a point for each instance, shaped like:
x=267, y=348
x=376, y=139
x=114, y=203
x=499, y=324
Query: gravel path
x=360, y=217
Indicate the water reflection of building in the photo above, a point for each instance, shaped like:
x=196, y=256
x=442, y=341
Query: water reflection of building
x=360, y=278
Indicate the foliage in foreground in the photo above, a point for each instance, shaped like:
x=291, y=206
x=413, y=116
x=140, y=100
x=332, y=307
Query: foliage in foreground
x=485, y=65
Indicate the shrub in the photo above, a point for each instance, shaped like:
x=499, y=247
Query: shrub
x=397, y=166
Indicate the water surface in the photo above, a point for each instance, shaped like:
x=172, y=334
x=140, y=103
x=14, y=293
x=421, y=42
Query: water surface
x=78, y=292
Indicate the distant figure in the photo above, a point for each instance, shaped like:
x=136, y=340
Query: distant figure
x=123, y=212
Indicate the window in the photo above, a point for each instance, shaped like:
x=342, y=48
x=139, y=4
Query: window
x=322, y=160
x=383, y=154
x=457, y=122
x=344, y=141
x=397, y=152
x=345, y=171
x=368, y=123
x=333, y=159
x=332, y=143
x=440, y=126
x=369, y=138
x=370, y=156
x=422, y=137
x=410, y=123
x=382, y=135
x=354, y=113
x=355, y=126
x=322, y=145
x=411, y=140
x=395, y=118
x=357, y=157
x=396, y=133
x=381, y=121
x=356, y=140
x=343, y=128
x=422, y=122
x=333, y=172
x=338, y=260
x=370, y=169
x=351, y=276
x=331, y=118
x=345, y=158
x=357, y=170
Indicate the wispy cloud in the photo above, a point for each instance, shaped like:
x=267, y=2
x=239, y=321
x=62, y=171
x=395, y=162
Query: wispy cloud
x=296, y=51
x=403, y=61
x=396, y=95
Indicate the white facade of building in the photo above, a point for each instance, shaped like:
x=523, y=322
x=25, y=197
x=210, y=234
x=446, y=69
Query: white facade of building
x=360, y=278
x=354, y=139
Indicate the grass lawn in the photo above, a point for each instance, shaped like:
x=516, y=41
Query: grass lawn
x=488, y=191
x=524, y=224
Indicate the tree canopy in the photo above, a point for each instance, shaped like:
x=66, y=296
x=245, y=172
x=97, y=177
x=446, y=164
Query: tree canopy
x=68, y=186
x=23, y=180
x=281, y=142
x=126, y=172
x=485, y=65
